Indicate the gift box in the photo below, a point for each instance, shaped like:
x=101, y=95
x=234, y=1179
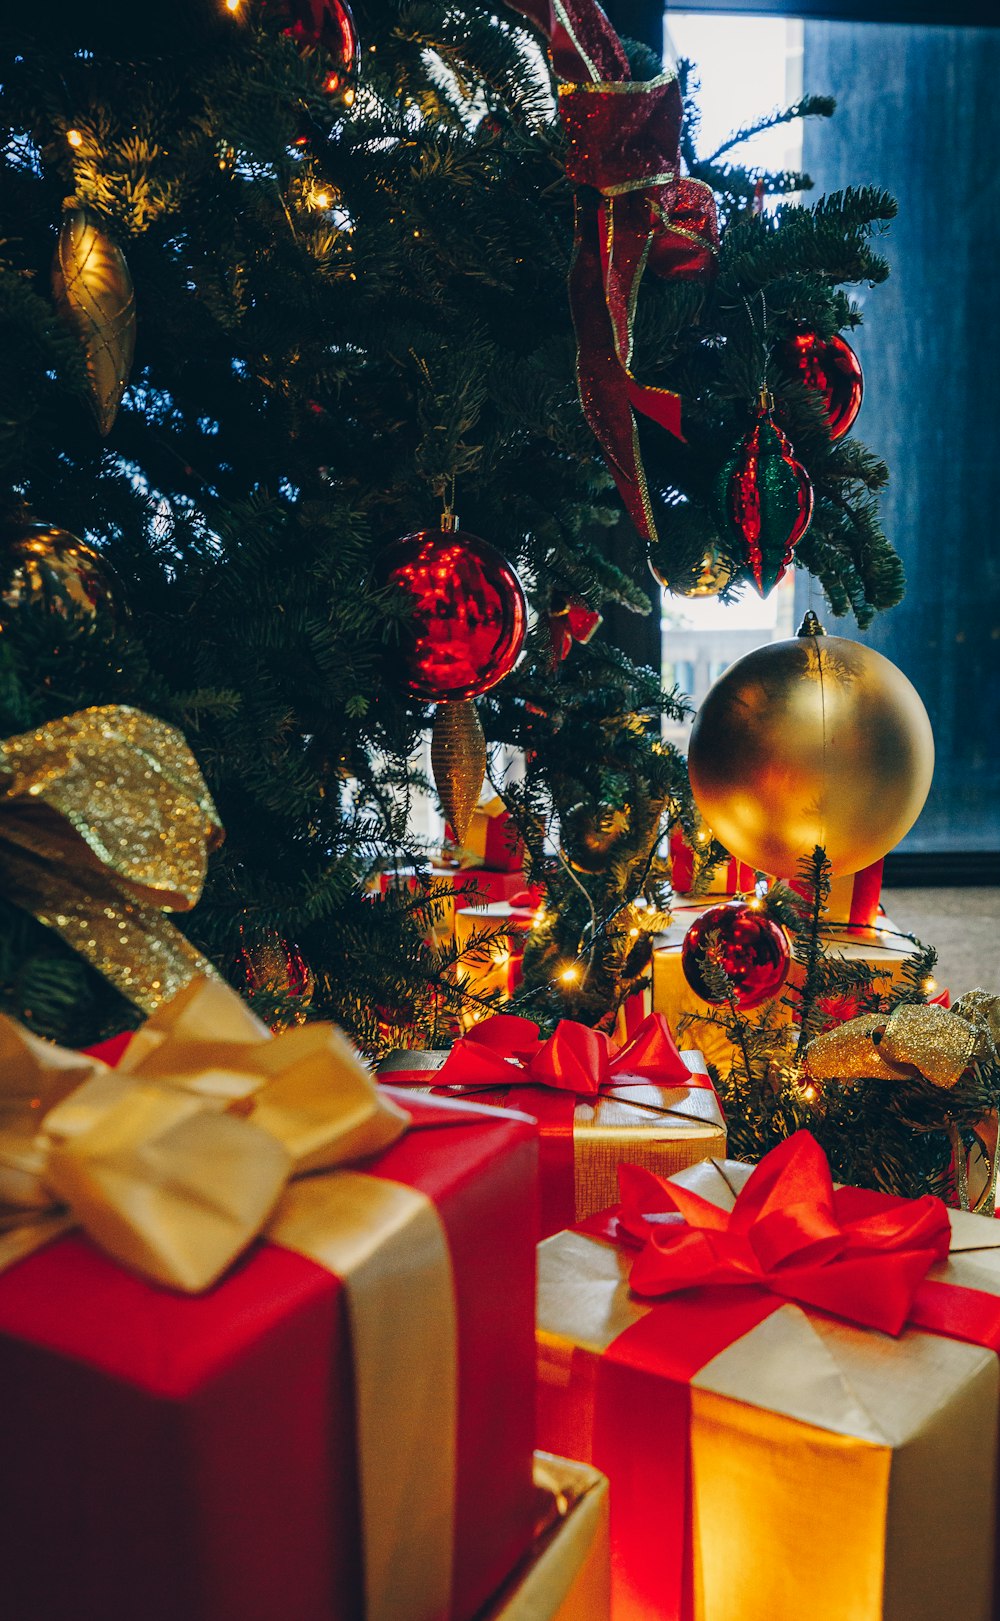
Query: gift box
x=854, y=899
x=596, y=1103
x=796, y=1405
x=730, y=877
x=490, y=941
x=492, y=840
x=567, y=1574
x=475, y=887
x=342, y=1425
x=883, y=948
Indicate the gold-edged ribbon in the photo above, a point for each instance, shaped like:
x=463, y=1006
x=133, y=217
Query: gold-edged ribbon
x=210, y=1132
x=105, y=824
x=933, y=1042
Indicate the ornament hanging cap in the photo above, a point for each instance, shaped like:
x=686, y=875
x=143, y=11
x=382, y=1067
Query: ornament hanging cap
x=810, y=626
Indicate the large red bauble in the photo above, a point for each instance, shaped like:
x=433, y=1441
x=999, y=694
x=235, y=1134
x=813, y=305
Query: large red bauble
x=469, y=613
x=830, y=366
x=750, y=947
x=330, y=25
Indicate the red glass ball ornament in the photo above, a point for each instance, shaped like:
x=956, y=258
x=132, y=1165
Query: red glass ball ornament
x=330, y=25
x=830, y=366
x=685, y=241
x=468, y=616
x=751, y=948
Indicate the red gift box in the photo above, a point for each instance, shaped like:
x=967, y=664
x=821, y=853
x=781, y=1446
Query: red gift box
x=196, y=1458
x=492, y=840
x=730, y=877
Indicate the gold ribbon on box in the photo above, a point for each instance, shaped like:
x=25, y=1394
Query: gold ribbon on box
x=105, y=824
x=932, y=1041
x=210, y=1132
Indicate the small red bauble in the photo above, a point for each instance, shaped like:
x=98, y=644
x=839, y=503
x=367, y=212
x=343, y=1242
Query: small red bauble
x=330, y=25
x=749, y=946
x=685, y=244
x=830, y=366
x=468, y=612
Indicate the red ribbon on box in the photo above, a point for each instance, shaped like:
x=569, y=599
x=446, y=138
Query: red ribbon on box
x=715, y=1275
x=551, y=1077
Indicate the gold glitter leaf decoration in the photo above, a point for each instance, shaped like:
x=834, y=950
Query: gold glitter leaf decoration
x=458, y=757
x=105, y=823
x=93, y=293
x=914, y=1040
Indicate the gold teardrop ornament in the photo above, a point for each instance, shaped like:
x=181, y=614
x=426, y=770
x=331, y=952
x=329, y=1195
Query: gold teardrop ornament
x=93, y=293
x=458, y=758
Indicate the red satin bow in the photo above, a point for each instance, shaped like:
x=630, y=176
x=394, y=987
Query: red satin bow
x=574, y=622
x=856, y=1254
x=575, y=1058
x=623, y=158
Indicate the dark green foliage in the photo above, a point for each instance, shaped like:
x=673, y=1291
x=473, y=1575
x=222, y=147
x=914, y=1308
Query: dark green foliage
x=897, y=1136
x=330, y=334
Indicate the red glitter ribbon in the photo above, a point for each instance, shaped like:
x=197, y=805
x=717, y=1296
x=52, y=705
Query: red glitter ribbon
x=623, y=158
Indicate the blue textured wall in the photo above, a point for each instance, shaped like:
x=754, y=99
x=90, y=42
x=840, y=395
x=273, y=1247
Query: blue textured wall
x=919, y=113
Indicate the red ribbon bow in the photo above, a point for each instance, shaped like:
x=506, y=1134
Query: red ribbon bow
x=856, y=1254
x=623, y=158
x=570, y=622
x=575, y=1058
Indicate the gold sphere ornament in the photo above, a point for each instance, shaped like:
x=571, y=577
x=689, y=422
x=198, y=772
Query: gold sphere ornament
x=813, y=741
x=709, y=577
x=45, y=567
x=589, y=841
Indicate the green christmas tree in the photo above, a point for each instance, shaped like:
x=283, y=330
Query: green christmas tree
x=351, y=302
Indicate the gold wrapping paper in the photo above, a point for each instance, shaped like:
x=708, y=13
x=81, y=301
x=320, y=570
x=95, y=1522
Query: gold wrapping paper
x=105, y=823
x=837, y=1473
x=174, y=1161
x=672, y=994
x=663, y=1128
x=566, y=1576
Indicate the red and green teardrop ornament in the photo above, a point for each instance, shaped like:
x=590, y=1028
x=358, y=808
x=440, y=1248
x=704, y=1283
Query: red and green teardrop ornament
x=763, y=500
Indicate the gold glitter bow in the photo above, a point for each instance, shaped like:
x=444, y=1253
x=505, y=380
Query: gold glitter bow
x=913, y=1040
x=105, y=823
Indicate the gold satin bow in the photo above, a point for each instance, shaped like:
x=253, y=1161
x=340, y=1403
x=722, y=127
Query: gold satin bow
x=174, y=1161
x=914, y=1040
x=105, y=823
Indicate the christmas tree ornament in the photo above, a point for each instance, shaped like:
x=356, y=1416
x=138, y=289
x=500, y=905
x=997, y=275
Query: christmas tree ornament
x=751, y=948
x=468, y=612
x=812, y=741
x=92, y=290
x=685, y=240
x=830, y=366
x=570, y=620
x=589, y=841
x=458, y=760
x=763, y=499
x=48, y=568
x=276, y=967
x=709, y=577
x=330, y=26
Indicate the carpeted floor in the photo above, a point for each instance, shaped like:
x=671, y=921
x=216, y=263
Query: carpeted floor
x=964, y=925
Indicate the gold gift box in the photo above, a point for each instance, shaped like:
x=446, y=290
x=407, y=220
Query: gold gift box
x=881, y=947
x=838, y=1474
x=664, y=1128
x=566, y=1576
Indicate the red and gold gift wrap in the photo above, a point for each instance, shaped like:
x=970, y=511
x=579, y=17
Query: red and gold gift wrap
x=458, y=888
x=883, y=949
x=854, y=900
x=567, y=1574
x=729, y=878
x=490, y=942
x=798, y=1413
x=339, y=1425
x=492, y=840
x=596, y=1103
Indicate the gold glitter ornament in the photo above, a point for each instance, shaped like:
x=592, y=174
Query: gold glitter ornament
x=812, y=741
x=710, y=576
x=92, y=290
x=49, y=568
x=105, y=824
x=458, y=758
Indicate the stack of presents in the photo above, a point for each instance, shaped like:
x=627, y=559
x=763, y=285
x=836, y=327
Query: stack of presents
x=501, y=1334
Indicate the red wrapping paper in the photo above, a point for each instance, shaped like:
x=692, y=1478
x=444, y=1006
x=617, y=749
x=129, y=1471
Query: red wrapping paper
x=731, y=878
x=181, y=1458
